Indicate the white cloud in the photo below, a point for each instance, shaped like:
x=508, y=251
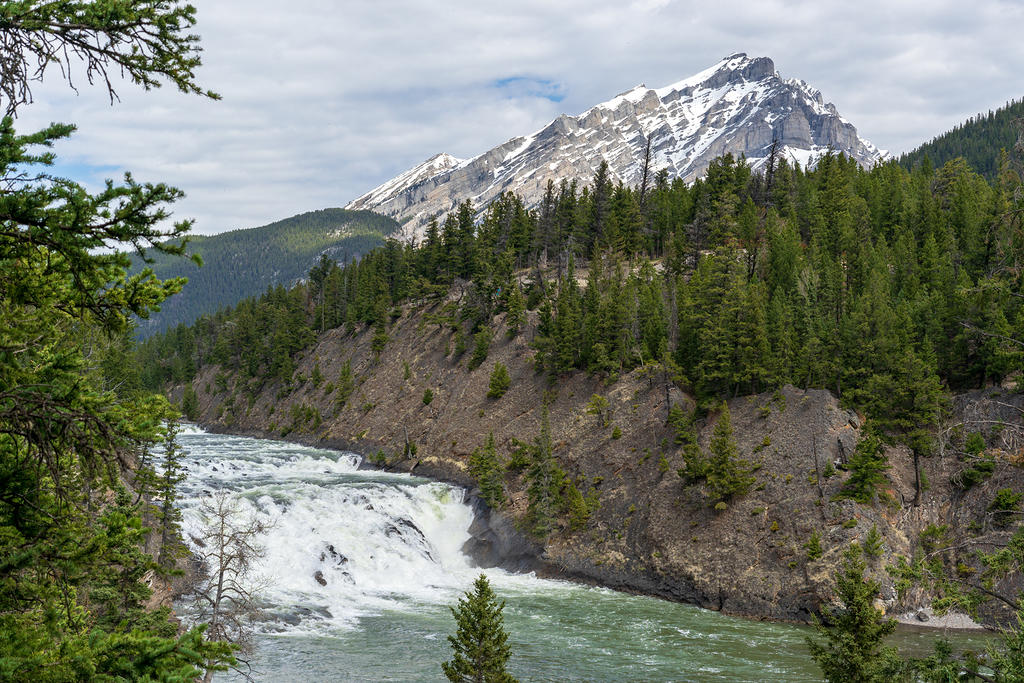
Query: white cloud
x=324, y=100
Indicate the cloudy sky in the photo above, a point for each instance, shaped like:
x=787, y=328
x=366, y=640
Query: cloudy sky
x=324, y=100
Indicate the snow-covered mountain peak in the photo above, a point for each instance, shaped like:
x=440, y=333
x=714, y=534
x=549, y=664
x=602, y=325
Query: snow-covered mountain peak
x=738, y=105
x=439, y=163
x=735, y=67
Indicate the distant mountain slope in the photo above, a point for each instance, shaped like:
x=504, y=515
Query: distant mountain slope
x=243, y=263
x=978, y=140
x=737, y=106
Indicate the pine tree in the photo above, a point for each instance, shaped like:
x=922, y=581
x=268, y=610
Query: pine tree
x=598, y=406
x=867, y=471
x=500, y=381
x=545, y=479
x=190, y=403
x=566, y=329
x=722, y=320
x=873, y=543
x=600, y=233
x=168, y=515
x=813, y=547
x=850, y=645
x=481, y=346
x=465, y=256
x=345, y=386
x=515, y=306
x=652, y=318
x=727, y=474
x=488, y=472
x=117, y=594
x=480, y=649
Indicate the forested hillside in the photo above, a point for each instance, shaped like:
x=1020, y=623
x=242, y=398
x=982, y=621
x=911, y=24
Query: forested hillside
x=709, y=392
x=244, y=263
x=472, y=357
x=888, y=288
x=979, y=140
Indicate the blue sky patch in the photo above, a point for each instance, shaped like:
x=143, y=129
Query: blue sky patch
x=528, y=86
x=85, y=174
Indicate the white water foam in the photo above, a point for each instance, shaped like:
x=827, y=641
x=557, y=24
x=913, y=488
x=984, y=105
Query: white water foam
x=380, y=541
x=189, y=429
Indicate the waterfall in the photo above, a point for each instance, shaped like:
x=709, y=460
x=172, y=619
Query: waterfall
x=344, y=543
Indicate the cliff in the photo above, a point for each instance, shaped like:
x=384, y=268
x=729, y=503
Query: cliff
x=652, y=532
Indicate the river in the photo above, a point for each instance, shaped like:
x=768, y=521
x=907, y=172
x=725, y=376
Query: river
x=389, y=548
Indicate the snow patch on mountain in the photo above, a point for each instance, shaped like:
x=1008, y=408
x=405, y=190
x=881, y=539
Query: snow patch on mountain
x=738, y=106
x=435, y=165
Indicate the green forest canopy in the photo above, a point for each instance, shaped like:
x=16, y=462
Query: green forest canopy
x=244, y=263
x=979, y=140
x=888, y=287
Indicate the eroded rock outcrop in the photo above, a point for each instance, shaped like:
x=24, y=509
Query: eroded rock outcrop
x=653, y=532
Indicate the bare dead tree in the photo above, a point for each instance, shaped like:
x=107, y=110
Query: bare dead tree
x=1001, y=421
x=645, y=175
x=225, y=594
x=769, y=171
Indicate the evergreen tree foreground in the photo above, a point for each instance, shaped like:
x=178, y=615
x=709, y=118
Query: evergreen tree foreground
x=851, y=646
x=480, y=647
x=74, y=426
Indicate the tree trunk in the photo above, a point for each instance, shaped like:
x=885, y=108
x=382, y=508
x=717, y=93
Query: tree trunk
x=817, y=474
x=668, y=398
x=917, y=479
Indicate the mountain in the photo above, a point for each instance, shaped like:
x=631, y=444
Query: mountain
x=243, y=263
x=979, y=140
x=737, y=106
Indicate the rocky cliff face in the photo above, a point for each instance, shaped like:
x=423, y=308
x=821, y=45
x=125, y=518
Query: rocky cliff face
x=652, y=533
x=737, y=106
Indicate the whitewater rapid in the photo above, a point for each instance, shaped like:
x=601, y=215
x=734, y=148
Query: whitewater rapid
x=343, y=543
